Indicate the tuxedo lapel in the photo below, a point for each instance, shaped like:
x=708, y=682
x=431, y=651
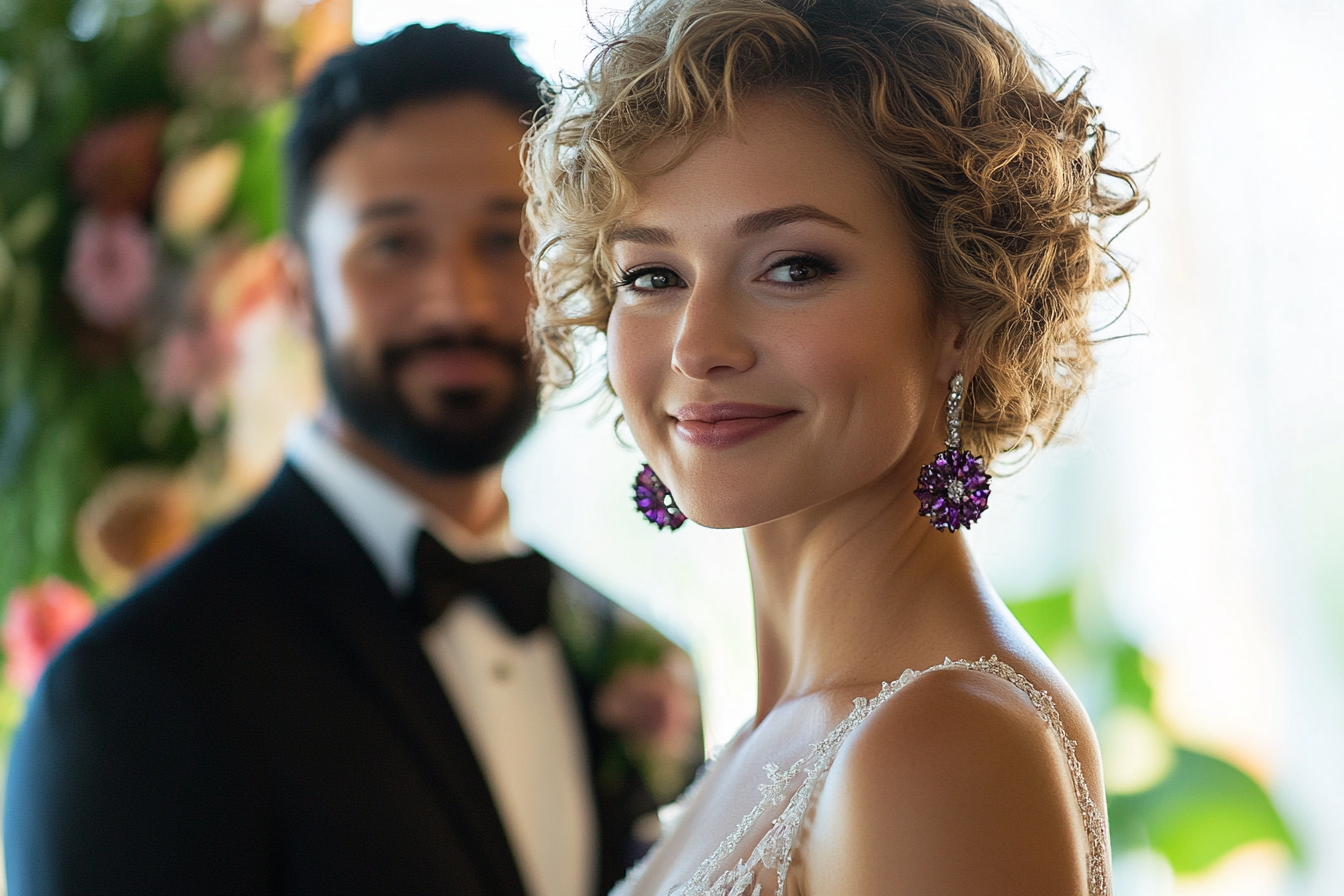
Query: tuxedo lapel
x=345, y=592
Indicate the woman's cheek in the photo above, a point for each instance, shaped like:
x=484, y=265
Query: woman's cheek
x=617, y=355
x=632, y=366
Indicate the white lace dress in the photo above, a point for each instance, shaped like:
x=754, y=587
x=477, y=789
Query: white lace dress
x=769, y=860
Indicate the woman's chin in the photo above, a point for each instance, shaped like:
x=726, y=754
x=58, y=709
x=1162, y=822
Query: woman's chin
x=717, y=513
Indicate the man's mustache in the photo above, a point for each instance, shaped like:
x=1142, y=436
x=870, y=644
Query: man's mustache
x=512, y=353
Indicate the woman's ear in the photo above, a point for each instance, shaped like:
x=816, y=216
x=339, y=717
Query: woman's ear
x=955, y=353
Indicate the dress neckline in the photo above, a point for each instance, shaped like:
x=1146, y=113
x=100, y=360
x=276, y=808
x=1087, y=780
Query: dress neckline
x=775, y=850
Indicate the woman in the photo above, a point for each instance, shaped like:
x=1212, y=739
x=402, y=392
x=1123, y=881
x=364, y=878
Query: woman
x=842, y=252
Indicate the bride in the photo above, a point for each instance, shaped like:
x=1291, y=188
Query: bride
x=842, y=252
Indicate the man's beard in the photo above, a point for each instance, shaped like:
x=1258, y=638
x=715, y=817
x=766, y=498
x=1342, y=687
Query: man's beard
x=471, y=432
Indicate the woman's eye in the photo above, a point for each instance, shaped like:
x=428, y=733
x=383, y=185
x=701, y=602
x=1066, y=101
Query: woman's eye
x=652, y=278
x=798, y=270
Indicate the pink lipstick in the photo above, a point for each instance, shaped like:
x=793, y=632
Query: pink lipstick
x=727, y=424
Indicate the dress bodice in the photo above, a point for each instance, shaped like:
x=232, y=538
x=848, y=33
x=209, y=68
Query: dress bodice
x=765, y=869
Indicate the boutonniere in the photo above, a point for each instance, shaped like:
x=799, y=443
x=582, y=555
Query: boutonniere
x=643, y=694
x=651, y=703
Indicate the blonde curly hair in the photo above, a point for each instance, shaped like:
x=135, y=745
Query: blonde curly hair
x=999, y=176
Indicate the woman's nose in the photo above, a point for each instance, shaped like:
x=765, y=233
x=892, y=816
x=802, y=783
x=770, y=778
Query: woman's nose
x=711, y=341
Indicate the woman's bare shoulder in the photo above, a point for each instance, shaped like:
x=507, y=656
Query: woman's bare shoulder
x=953, y=785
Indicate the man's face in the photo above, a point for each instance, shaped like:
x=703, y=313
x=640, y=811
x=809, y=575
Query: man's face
x=419, y=282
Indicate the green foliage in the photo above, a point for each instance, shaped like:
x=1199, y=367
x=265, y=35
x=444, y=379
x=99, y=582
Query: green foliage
x=74, y=399
x=1048, y=619
x=1197, y=814
x=71, y=400
x=261, y=188
x=1200, y=807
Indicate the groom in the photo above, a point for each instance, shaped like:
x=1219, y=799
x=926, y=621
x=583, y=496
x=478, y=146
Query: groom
x=365, y=683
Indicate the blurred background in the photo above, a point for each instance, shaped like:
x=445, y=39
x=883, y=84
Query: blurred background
x=1179, y=555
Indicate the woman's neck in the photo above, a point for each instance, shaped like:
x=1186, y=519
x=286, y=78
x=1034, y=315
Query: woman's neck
x=846, y=590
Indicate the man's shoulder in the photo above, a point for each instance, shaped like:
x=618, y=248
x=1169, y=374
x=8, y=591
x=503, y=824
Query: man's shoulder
x=233, y=556
x=163, y=618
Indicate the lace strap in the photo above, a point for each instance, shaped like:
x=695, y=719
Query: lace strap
x=1093, y=820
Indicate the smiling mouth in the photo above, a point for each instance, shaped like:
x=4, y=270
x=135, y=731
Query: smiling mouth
x=727, y=424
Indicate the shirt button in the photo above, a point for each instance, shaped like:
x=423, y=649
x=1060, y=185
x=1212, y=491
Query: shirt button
x=501, y=671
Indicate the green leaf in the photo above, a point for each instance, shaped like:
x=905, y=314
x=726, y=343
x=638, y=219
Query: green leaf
x=1129, y=679
x=17, y=105
x=259, y=200
x=1048, y=619
x=32, y=222
x=1199, y=813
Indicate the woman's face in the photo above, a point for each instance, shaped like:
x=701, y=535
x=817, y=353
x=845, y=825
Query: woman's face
x=770, y=342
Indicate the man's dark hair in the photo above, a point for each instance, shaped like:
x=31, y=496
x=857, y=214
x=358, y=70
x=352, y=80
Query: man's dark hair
x=372, y=80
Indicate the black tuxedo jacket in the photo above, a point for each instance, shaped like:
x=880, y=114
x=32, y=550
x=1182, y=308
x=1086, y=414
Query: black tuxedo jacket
x=260, y=718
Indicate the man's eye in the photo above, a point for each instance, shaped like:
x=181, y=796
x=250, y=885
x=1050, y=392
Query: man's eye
x=394, y=244
x=799, y=270
x=652, y=278
x=500, y=241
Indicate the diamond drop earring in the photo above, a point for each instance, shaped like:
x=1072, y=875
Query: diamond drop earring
x=954, y=489
x=653, y=499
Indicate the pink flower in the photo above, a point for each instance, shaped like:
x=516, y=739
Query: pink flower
x=655, y=706
x=110, y=268
x=192, y=364
x=263, y=70
x=656, y=712
x=38, y=622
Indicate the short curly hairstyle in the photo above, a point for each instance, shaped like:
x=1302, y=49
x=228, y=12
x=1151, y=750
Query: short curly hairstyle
x=1000, y=177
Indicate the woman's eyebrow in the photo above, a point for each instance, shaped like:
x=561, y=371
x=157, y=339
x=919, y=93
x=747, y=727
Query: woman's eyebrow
x=650, y=236
x=747, y=225
x=760, y=222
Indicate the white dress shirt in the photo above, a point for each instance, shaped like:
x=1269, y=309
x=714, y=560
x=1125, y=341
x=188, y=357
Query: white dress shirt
x=512, y=694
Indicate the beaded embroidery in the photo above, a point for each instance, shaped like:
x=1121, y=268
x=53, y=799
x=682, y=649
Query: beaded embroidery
x=775, y=850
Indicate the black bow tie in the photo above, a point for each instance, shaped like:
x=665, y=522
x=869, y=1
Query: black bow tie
x=518, y=588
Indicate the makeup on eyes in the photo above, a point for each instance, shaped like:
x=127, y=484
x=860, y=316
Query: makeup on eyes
x=629, y=279
x=663, y=277
x=820, y=266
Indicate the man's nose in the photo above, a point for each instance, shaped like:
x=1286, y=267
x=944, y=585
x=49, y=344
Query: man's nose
x=458, y=289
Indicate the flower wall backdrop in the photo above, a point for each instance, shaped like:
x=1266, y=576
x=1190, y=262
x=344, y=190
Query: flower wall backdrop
x=148, y=357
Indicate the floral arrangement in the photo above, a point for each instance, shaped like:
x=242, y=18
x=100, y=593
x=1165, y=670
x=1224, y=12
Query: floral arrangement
x=148, y=354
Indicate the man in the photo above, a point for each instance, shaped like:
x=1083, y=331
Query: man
x=364, y=683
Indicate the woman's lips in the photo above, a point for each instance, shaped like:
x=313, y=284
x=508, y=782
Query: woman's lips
x=727, y=424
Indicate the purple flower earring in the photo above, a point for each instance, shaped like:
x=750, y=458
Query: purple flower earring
x=953, y=490
x=655, y=501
